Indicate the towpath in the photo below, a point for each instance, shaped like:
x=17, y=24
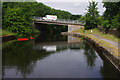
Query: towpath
x=107, y=40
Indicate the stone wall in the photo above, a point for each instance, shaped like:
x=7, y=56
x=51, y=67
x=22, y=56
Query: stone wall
x=114, y=32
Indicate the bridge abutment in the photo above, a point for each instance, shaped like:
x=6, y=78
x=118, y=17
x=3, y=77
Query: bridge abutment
x=74, y=27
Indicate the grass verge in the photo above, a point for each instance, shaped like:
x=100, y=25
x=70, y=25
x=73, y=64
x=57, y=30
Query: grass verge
x=97, y=32
x=5, y=33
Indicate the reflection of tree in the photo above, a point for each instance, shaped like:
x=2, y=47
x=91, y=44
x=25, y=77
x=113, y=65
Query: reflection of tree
x=90, y=55
x=88, y=51
x=108, y=71
x=26, y=68
x=22, y=56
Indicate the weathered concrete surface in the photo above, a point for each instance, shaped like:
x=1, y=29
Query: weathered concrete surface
x=115, y=61
x=74, y=27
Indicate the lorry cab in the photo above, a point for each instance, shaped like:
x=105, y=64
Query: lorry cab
x=50, y=17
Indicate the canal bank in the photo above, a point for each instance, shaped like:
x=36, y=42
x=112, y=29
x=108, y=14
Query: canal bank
x=7, y=38
x=6, y=35
x=110, y=52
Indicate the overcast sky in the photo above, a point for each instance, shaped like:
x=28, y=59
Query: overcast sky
x=72, y=6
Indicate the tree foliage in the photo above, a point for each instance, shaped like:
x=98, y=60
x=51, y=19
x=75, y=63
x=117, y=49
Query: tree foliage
x=17, y=16
x=15, y=21
x=91, y=15
x=112, y=15
x=75, y=17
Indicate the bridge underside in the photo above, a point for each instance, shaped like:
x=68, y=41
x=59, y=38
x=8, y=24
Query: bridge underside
x=52, y=23
x=71, y=26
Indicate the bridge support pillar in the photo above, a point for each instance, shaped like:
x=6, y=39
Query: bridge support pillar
x=73, y=27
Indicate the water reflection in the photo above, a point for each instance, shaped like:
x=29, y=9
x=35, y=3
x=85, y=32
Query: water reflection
x=50, y=54
x=73, y=39
x=49, y=48
x=22, y=57
x=74, y=43
x=108, y=71
x=90, y=55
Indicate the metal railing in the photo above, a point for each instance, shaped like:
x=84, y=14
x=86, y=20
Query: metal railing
x=61, y=20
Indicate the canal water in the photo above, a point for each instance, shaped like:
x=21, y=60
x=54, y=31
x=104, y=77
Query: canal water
x=54, y=56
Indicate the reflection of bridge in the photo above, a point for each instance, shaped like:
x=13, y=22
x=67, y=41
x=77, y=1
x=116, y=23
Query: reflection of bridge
x=72, y=42
x=58, y=45
x=72, y=24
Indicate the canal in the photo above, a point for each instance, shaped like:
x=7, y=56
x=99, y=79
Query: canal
x=54, y=56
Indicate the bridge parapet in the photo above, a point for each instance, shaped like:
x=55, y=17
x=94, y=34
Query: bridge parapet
x=61, y=20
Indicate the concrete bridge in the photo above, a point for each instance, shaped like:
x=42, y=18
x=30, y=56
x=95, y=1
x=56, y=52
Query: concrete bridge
x=72, y=24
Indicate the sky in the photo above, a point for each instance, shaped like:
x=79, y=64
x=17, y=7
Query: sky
x=73, y=6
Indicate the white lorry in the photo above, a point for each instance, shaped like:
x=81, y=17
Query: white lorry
x=50, y=17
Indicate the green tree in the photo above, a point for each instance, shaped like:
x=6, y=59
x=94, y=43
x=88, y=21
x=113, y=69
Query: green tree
x=91, y=17
x=15, y=21
x=112, y=9
x=17, y=16
x=112, y=14
x=75, y=17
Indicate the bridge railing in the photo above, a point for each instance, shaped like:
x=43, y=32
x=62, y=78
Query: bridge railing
x=62, y=20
